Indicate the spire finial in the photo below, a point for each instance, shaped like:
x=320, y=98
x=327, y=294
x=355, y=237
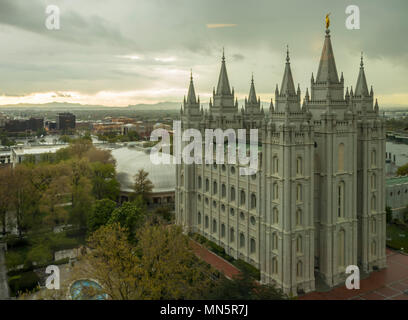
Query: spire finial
x=287, y=54
x=252, y=79
x=191, y=74
x=223, y=54
x=362, y=60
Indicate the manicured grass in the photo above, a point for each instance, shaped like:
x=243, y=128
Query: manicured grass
x=398, y=235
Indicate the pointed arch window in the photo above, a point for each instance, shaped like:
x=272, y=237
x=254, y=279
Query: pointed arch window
x=232, y=235
x=241, y=240
x=243, y=199
x=373, y=248
x=253, y=245
x=232, y=196
x=253, y=201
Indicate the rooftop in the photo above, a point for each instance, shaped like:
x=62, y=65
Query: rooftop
x=130, y=160
x=397, y=180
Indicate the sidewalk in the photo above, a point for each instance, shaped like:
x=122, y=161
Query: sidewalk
x=4, y=291
x=215, y=261
x=387, y=284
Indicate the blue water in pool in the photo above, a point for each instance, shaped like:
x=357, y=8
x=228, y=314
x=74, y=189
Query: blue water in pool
x=78, y=287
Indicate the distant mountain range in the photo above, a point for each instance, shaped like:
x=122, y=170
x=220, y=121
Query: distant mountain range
x=76, y=106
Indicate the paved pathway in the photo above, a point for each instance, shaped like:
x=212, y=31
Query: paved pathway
x=215, y=261
x=387, y=284
x=4, y=291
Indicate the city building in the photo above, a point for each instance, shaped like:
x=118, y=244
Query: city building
x=17, y=125
x=397, y=196
x=65, y=121
x=316, y=203
x=20, y=154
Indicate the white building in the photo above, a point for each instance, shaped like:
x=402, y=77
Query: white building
x=21, y=153
x=317, y=202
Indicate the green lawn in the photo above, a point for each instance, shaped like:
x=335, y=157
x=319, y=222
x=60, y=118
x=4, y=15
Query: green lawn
x=398, y=236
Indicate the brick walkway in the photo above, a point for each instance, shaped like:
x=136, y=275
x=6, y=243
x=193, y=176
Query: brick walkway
x=215, y=261
x=387, y=284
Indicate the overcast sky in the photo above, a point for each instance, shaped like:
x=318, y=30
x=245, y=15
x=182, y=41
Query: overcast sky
x=125, y=52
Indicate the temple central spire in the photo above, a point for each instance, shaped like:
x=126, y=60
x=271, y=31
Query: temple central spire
x=361, y=87
x=327, y=68
x=223, y=87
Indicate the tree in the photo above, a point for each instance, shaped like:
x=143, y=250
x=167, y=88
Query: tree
x=143, y=186
x=6, y=196
x=130, y=216
x=104, y=182
x=101, y=213
x=403, y=170
x=82, y=206
x=161, y=265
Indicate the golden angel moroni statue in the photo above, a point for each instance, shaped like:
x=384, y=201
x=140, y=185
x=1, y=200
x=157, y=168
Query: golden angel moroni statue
x=327, y=21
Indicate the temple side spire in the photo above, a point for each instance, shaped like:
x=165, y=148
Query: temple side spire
x=252, y=93
x=191, y=96
x=361, y=87
x=288, y=85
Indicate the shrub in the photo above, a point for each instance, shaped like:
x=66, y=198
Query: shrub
x=23, y=282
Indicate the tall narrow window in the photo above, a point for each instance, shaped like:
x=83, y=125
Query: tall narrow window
x=299, y=166
x=275, y=165
x=242, y=197
x=199, y=218
x=341, y=246
x=214, y=226
x=340, y=200
x=253, y=245
x=373, y=226
x=199, y=182
x=373, y=248
x=241, y=240
x=223, y=191
x=274, y=265
x=299, y=218
x=373, y=181
x=215, y=187
x=232, y=235
x=274, y=241
x=299, y=192
x=275, y=216
x=340, y=160
x=206, y=222
x=299, y=244
x=299, y=269
x=207, y=184
x=373, y=158
x=253, y=201
x=275, y=192
x=222, y=230
x=373, y=203
x=232, y=196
